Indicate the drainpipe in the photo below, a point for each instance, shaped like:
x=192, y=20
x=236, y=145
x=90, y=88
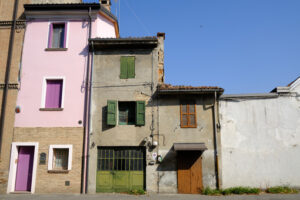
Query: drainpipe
x=7, y=72
x=86, y=115
x=215, y=142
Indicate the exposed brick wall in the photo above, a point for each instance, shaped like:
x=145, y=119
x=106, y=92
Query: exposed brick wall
x=6, y=10
x=55, y=182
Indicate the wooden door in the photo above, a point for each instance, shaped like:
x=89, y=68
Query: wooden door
x=24, y=168
x=189, y=174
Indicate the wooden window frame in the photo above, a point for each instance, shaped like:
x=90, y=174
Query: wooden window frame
x=188, y=114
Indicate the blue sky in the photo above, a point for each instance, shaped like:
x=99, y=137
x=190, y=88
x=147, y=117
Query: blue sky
x=244, y=46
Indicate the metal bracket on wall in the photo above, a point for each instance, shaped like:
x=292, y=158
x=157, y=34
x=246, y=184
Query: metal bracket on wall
x=20, y=24
x=10, y=86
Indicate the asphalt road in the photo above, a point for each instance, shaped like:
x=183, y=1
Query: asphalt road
x=148, y=197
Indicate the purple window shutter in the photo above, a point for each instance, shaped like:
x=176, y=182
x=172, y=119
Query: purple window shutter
x=65, y=36
x=53, y=94
x=50, y=36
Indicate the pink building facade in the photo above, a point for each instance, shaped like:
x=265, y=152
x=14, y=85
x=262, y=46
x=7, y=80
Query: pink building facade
x=50, y=119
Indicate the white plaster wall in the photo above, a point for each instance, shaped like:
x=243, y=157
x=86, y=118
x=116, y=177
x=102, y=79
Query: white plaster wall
x=260, y=142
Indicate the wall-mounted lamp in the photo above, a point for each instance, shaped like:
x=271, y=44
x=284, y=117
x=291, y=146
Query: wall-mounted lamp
x=18, y=109
x=154, y=143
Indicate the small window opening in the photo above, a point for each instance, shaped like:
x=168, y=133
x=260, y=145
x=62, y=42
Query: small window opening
x=126, y=113
x=60, y=159
x=58, y=36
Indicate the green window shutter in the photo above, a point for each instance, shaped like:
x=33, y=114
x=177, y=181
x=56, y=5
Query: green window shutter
x=131, y=67
x=140, y=113
x=111, y=112
x=123, y=68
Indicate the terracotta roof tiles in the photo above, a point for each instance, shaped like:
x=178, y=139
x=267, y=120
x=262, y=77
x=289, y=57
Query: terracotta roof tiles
x=184, y=87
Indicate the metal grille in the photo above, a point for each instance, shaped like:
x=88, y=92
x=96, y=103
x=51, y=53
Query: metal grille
x=60, y=159
x=120, y=159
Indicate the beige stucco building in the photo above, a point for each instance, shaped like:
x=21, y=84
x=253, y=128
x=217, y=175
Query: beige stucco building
x=142, y=131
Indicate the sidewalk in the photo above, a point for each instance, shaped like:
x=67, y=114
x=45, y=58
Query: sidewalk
x=148, y=197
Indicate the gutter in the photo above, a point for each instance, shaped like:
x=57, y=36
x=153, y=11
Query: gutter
x=216, y=143
x=7, y=72
x=87, y=116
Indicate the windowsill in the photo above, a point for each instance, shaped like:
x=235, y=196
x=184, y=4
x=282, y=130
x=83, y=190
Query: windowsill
x=51, y=109
x=53, y=171
x=56, y=49
x=188, y=127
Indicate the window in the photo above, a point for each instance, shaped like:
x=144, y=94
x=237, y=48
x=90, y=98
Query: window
x=57, y=35
x=126, y=113
x=60, y=157
x=188, y=114
x=127, y=69
x=120, y=159
x=129, y=113
x=54, y=94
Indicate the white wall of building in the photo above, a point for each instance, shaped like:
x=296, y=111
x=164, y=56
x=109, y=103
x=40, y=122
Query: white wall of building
x=261, y=141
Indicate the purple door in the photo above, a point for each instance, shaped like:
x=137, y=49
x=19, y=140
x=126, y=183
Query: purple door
x=24, y=168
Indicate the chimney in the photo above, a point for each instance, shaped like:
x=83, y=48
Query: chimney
x=161, y=52
x=106, y=4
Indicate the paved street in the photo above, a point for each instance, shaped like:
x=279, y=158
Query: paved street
x=149, y=197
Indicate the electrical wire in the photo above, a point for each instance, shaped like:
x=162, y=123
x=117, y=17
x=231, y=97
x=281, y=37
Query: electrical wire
x=137, y=18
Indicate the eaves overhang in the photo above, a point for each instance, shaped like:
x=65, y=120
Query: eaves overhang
x=101, y=44
x=60, y=10
x=189, y=147
x=108, y=13
x=66, y=6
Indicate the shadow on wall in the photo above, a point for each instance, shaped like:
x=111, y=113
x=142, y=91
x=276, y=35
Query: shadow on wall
x=84, y=53
x=169, y=162
x=170, y=100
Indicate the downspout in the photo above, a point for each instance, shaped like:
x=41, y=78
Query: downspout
x=215, y=142
x=7, y=72
x=87, y=114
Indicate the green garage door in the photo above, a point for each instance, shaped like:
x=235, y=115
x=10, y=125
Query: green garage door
x=120, y=169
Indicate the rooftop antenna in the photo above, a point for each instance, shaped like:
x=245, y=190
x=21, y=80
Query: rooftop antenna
x=118, y=6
